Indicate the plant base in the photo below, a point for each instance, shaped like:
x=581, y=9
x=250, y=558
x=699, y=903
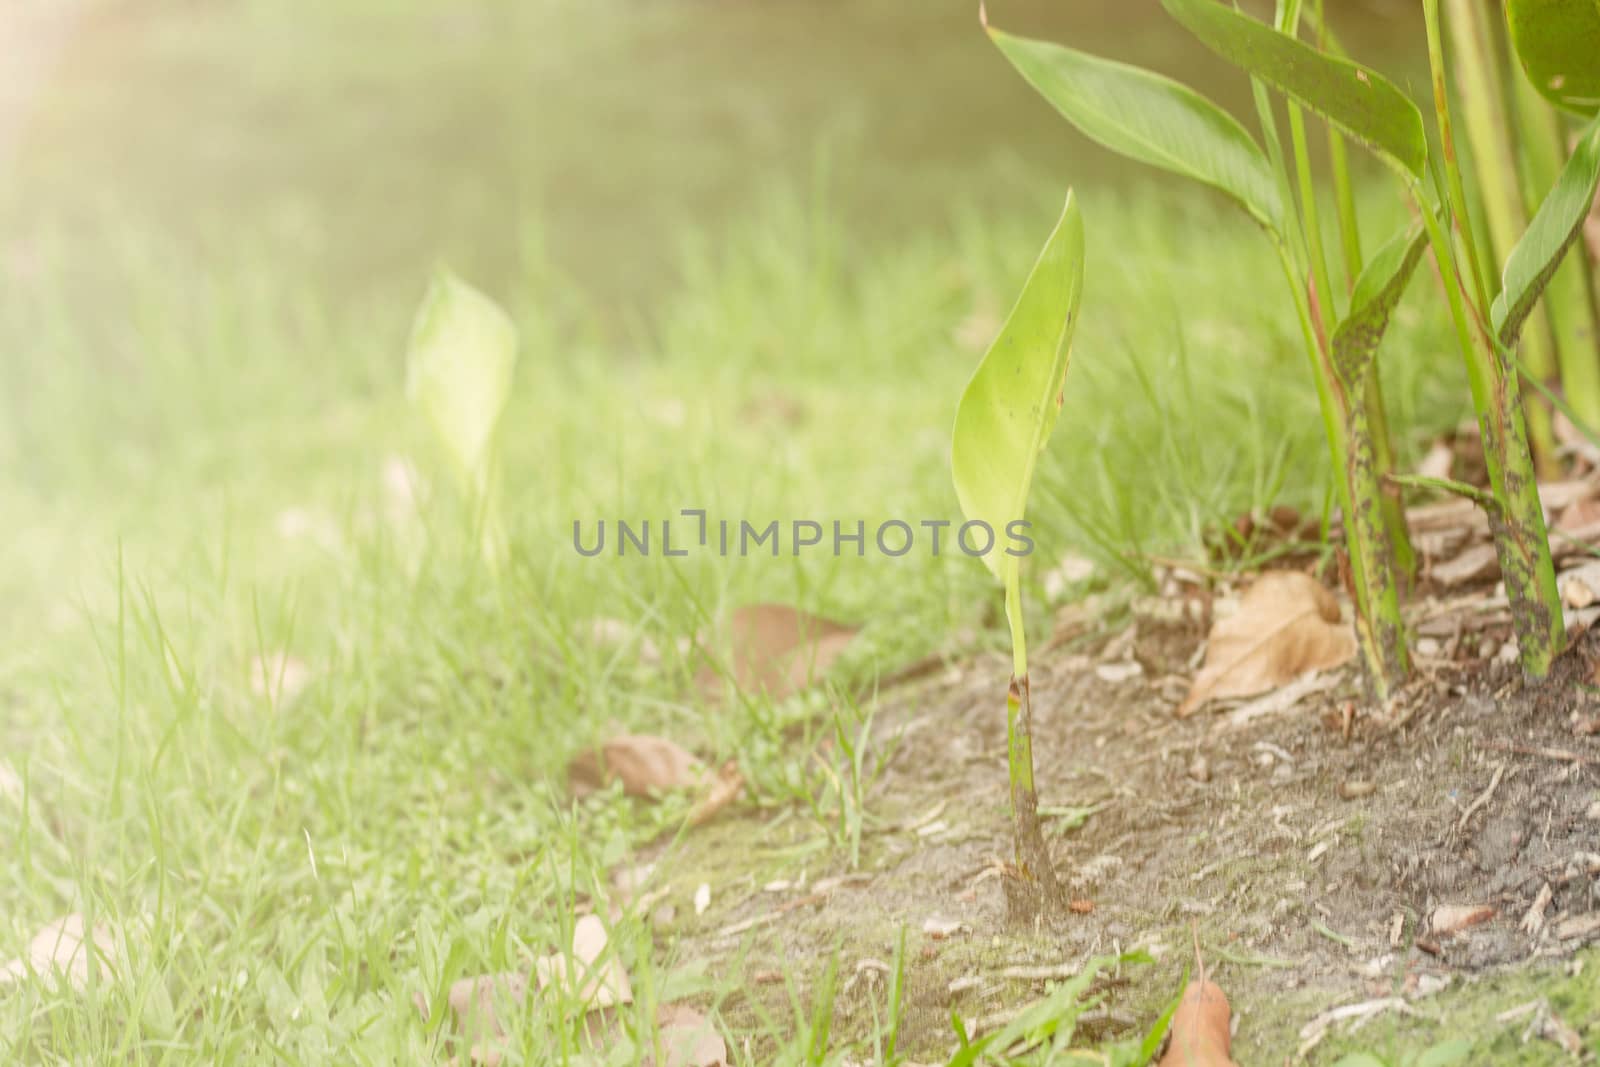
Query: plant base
x=1032, y=892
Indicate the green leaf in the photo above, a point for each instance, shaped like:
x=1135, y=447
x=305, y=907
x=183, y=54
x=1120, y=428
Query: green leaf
x=458, y=372
x=1360, y=1059
x=1555, y=226
x=1361, y=102
x=1151, y=119
x=1377, y=290
x=1558, y=42
x=1011, y=403
x=1445, y=1054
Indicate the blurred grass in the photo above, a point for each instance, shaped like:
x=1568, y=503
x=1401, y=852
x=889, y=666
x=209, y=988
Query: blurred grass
x=201, y=340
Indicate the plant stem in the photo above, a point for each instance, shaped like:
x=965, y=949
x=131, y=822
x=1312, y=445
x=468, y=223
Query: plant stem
x=1568, y=298
x=1379, y=625
x=1519, y=531
x=1493, y=159
x=1034, y=891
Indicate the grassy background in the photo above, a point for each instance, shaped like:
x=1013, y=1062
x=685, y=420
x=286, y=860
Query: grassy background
x=742, y=283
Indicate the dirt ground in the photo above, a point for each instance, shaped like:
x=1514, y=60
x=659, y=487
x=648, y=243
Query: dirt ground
x=1320, y=849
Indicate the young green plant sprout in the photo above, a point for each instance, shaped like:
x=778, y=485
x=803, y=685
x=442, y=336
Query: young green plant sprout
x=1002, y=424
x=458, y=375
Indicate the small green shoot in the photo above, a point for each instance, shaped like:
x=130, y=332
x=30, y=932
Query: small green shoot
x=458, y=374
x=1002, y=424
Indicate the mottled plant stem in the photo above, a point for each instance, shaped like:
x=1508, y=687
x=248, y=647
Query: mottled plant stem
x=1520, y=539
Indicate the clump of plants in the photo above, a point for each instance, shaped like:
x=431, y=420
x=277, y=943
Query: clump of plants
x=1500, y=328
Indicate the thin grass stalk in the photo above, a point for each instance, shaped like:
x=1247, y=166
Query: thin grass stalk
x=1521, y=543
x=1569, y=297
x=1482, y=97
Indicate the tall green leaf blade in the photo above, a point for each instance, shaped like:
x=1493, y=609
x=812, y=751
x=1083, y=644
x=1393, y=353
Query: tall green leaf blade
x=1377, y=290
x=1152, y=119
x=458, y=372
x=1558, y=43
x=1010, y=406
x=1555, y=226
x=1361, y=102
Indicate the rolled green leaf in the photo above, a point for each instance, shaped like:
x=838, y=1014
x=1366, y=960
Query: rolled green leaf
x=1010, y=405
x=1555, y=226
x=1558, y=44
x=1358, y=100
x=1152, y=119
x=458, y=372
x=1377, y=290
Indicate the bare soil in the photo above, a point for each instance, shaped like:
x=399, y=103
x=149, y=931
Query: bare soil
x=1310, y=848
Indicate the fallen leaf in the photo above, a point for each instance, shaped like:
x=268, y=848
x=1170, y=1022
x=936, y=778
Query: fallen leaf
x=279, y=677
x=1450, y=919
x=644, y=764
x=1118, y=672
x=616, y=634
x=1580, y=515
x=598, y=986
x=402, y=487
x=776, y=649
x=688, y=1039
x=939, y=929
x=59, y=948
x=1580, y=586
x=1474, y=563
x=476, y=1003
x=1440, y=460
x=1199, y=1029
x=724, y=790
x=1287, y=625
x=1071, y=571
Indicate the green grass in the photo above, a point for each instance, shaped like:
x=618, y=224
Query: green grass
x=203, y=392
x=197, y=481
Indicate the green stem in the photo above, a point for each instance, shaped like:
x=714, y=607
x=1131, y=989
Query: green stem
x=1311, y=221
x=1034, y=891
x=1394, y=512
x=1344, y=198
x=1494, y=162
x=1379, y=625
x=1520, y=539
x=1568, y=298
x=1456, y=191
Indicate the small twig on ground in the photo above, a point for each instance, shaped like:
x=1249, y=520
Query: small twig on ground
x=1562, y=754
x=1483, y=798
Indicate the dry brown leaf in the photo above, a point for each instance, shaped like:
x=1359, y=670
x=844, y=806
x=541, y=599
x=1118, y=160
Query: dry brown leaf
x=1440, y=460
x=279, y=677
x=1450, y=919
x=1474, y=563
x=599, y=985
x=776, y=649
x=1200, y=1029
x=476, y=1003
x=1580, y=586
x=644, y=764
x=1287, y=625
x=59, y=948
x=688, y=1039
x=1580, y=515
x=724, y=790
x=616, y=634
